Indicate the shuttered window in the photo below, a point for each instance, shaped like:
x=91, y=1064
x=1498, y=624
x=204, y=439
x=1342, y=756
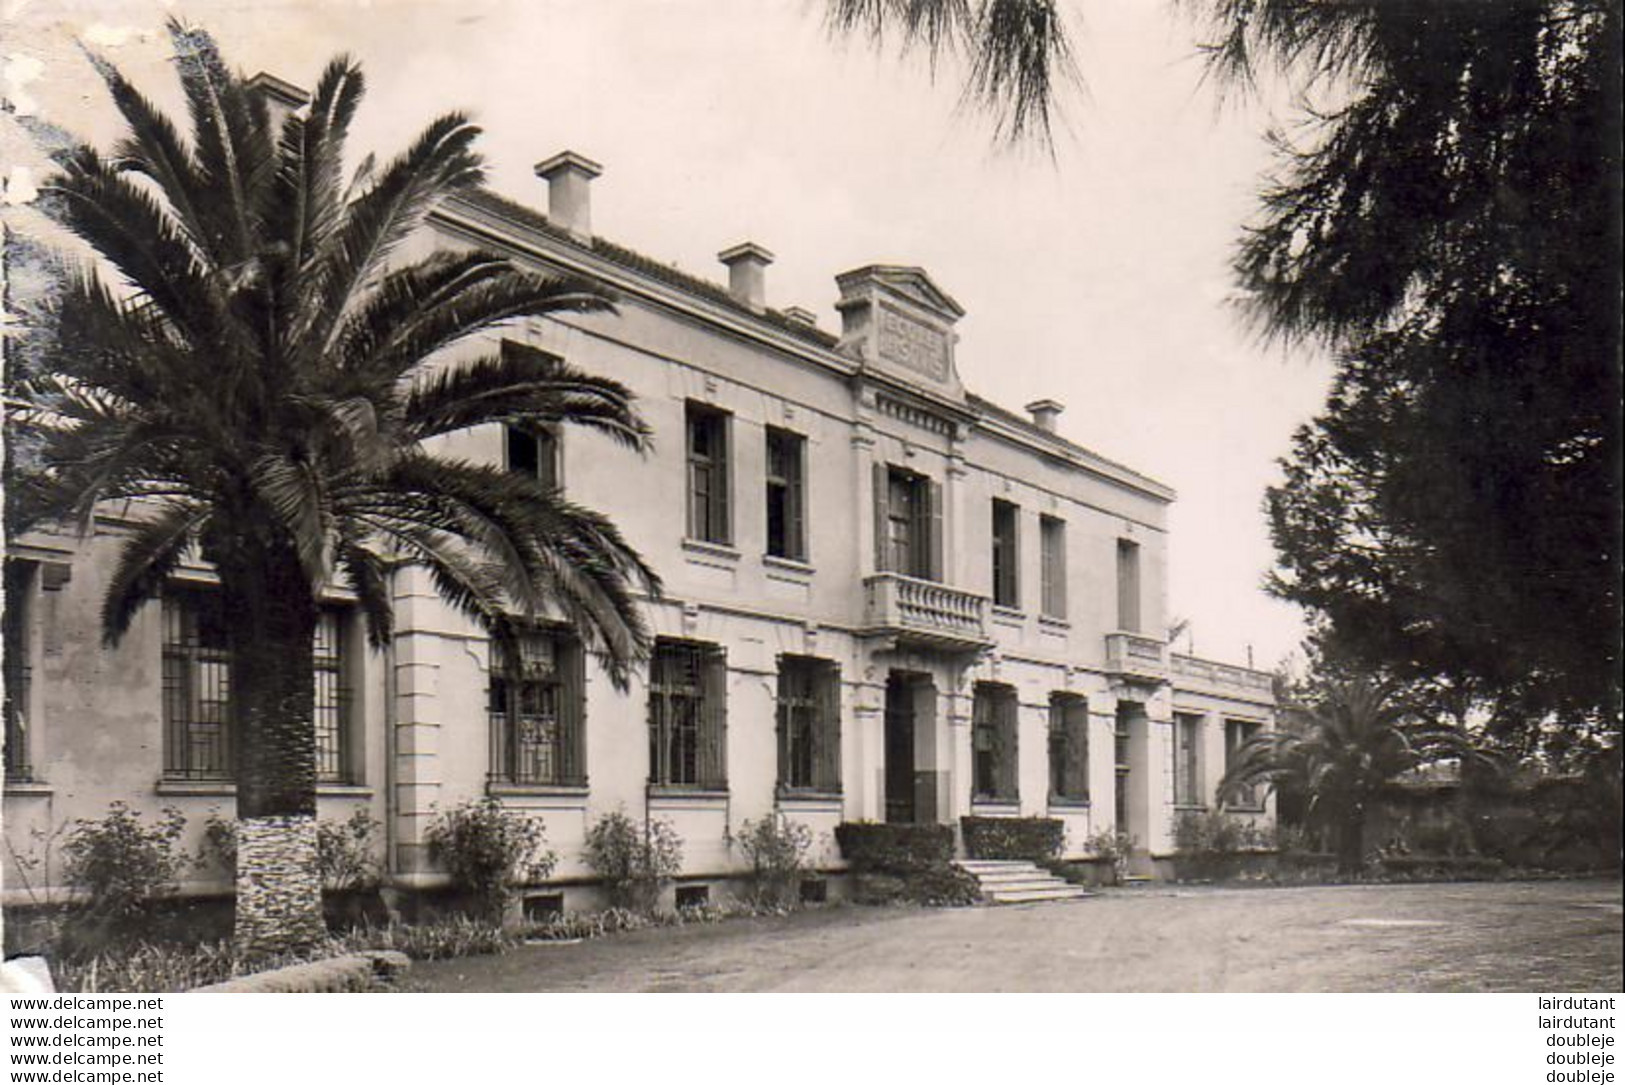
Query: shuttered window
x=995, y=756
x=688, y=715
x=708, y=482
x=908, y=523
x=786, y=495
x=1237, y=733
x=1068, y=748
x=1187, y=759
x=1052, y=566
x=537, y=710
x=809, y=725
x=1006, y=555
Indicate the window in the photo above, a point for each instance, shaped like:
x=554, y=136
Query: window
x=1006, y=555
x=993, y=743
x=1052, y=565
x=1187, y=759
x=1068, y=748
x=534, y=453
x=1128, y=586
x=786, y=495
x=536, y=702
x=197, y=691
x=687, y=715
x=708, y=517
x=1237, y=733
x=809, y=709
x=18, y=670
x=908, y=523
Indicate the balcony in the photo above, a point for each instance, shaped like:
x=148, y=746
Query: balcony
x=1204, y=675
x=925, y=614
x=1136, y=658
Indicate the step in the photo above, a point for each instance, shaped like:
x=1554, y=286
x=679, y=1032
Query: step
x=1033, y=896
x=1022, y=885
x=994, y=866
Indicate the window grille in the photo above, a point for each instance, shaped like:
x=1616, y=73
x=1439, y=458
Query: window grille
x=1069, y=747
x=536, y=709
x=687, y=715
x=994, y=742
x=809, y=725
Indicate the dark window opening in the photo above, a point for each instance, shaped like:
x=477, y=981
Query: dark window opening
x=786, y=495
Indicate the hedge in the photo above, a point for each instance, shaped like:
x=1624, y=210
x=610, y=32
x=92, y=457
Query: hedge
x=1032, y=839
x=895, y=849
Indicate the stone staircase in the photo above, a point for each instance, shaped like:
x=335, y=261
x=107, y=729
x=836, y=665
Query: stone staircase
x=1006, y=881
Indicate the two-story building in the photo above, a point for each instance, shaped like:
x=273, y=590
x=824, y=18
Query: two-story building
x=887, y=599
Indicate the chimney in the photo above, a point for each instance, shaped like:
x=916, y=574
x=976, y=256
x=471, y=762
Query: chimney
x=281, y=97
x=805, y=317
x=569, y=197
x=746, y=264
x=1044, y=412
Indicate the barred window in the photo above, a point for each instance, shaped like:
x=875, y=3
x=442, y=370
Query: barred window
x=198, y=723
x=809, y=724
x=993, y=737
x=1187, y=759
x=18, y=670
x=1068, y=747
x=687, y=715
x=536, y=709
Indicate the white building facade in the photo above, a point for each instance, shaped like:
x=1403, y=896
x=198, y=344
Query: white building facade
x=886, y=599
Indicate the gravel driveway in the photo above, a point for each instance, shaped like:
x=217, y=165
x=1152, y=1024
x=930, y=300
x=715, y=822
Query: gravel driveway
x=1500, y=936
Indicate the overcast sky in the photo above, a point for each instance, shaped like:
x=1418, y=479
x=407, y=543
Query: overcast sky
x=1099, y=279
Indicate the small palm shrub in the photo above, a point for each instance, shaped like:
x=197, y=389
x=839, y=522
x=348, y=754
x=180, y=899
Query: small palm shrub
x=490, y=851
x=777, y=849
x=634, y=862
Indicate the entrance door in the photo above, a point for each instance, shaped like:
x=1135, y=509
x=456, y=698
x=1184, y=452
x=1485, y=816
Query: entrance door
x=900, y=789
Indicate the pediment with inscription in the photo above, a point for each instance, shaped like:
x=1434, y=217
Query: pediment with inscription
x=901, y=323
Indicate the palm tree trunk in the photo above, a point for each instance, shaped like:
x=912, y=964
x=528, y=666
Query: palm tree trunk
x=273, y=615
x=1351, y=842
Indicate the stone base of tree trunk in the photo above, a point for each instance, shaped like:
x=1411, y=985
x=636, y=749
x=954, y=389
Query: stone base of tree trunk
x=279, y=888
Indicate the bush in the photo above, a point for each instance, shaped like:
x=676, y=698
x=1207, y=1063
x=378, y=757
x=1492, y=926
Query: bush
x=634, y=862
x=1212, y=833
x=489, y=851
x=1441, y=867
x=895, y=849
x=122, y=864
x=777, y=849
x=1111, y=847
x=1032, y=839
x=347, y=852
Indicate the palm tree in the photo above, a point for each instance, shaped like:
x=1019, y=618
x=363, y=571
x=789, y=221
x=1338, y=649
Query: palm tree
x=264, y=377
x=1342, y=751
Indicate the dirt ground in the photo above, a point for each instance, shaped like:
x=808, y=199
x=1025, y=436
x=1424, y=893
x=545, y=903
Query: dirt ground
x=1501, y=936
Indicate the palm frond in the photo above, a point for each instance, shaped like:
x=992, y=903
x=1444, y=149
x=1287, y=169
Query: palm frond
x=147, y=559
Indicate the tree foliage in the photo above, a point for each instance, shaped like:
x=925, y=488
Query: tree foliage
x=1451, y=227
x=1017, y=53
x=1341, y=747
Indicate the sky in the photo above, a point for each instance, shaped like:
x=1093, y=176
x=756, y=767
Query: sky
x=1097, y=276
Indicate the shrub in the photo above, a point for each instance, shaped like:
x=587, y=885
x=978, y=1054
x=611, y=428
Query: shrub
x=122, y=863
x=347, y=852
x=446, y=937
x=1032, y=839
x=1111, y=846
x=896, y=849
x=777, y=849
x=634, y=862
x=490, y=850
x=1213, y=833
